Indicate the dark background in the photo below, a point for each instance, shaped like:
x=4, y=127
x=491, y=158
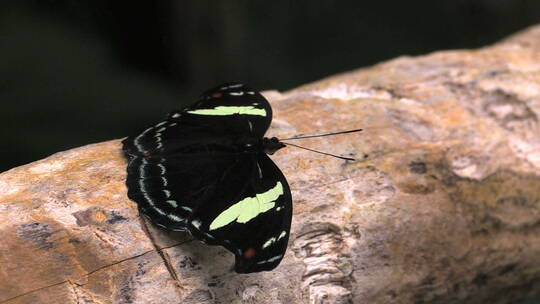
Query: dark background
x=79, y=72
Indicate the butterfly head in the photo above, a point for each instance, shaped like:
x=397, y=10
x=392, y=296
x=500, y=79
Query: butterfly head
x=271, y=145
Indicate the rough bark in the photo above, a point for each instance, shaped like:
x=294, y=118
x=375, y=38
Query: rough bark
x=442, y=207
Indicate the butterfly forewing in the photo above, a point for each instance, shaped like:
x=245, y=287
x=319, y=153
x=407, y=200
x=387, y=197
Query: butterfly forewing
x=222, y=103
x=166, y=188
x=194, y=171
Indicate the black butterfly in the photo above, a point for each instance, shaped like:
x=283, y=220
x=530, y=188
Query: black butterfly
x=204, y=169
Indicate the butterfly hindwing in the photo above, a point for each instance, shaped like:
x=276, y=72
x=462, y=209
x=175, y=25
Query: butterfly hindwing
x=253, y=223
x=192, y=172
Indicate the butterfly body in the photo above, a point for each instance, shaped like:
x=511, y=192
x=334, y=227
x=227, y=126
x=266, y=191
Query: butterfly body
x=205, y=170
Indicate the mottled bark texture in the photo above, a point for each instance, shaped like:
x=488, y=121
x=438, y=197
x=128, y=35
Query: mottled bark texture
x=442, y=205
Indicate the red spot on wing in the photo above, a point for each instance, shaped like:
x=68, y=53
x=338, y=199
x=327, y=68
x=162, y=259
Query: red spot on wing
x=249, y=253
x=216, y=95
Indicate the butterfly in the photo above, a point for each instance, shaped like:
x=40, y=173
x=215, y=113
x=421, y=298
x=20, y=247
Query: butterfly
x=205, y=169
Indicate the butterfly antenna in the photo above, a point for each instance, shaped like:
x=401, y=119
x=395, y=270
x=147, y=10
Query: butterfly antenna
x=337, y=156
x=321, y=135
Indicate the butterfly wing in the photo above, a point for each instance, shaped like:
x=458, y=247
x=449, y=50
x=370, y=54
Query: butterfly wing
x=188, y=169
x=168, y=189
x=231, y=102
x=253, y=223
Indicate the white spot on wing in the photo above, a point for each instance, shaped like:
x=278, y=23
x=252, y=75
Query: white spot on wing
x=272, y=240
x=196, y=224
x=175, y=218
x=187, y=209
x=163, y=170
x=148, y=198
x=172, y=203
x=270, y=260
x=142, y=187
x=137, y=139
x=158, y=210
x=178, y=229
x=232, y=86
x=269, y=242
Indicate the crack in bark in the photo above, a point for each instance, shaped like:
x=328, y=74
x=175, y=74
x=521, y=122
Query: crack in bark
x=164, y=256
x=117, y=262
x=32, y=291
x=158, y=250
x=74, y=288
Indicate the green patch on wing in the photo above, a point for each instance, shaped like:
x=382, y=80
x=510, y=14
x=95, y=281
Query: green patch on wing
x=230, y=110
x=248, y=208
